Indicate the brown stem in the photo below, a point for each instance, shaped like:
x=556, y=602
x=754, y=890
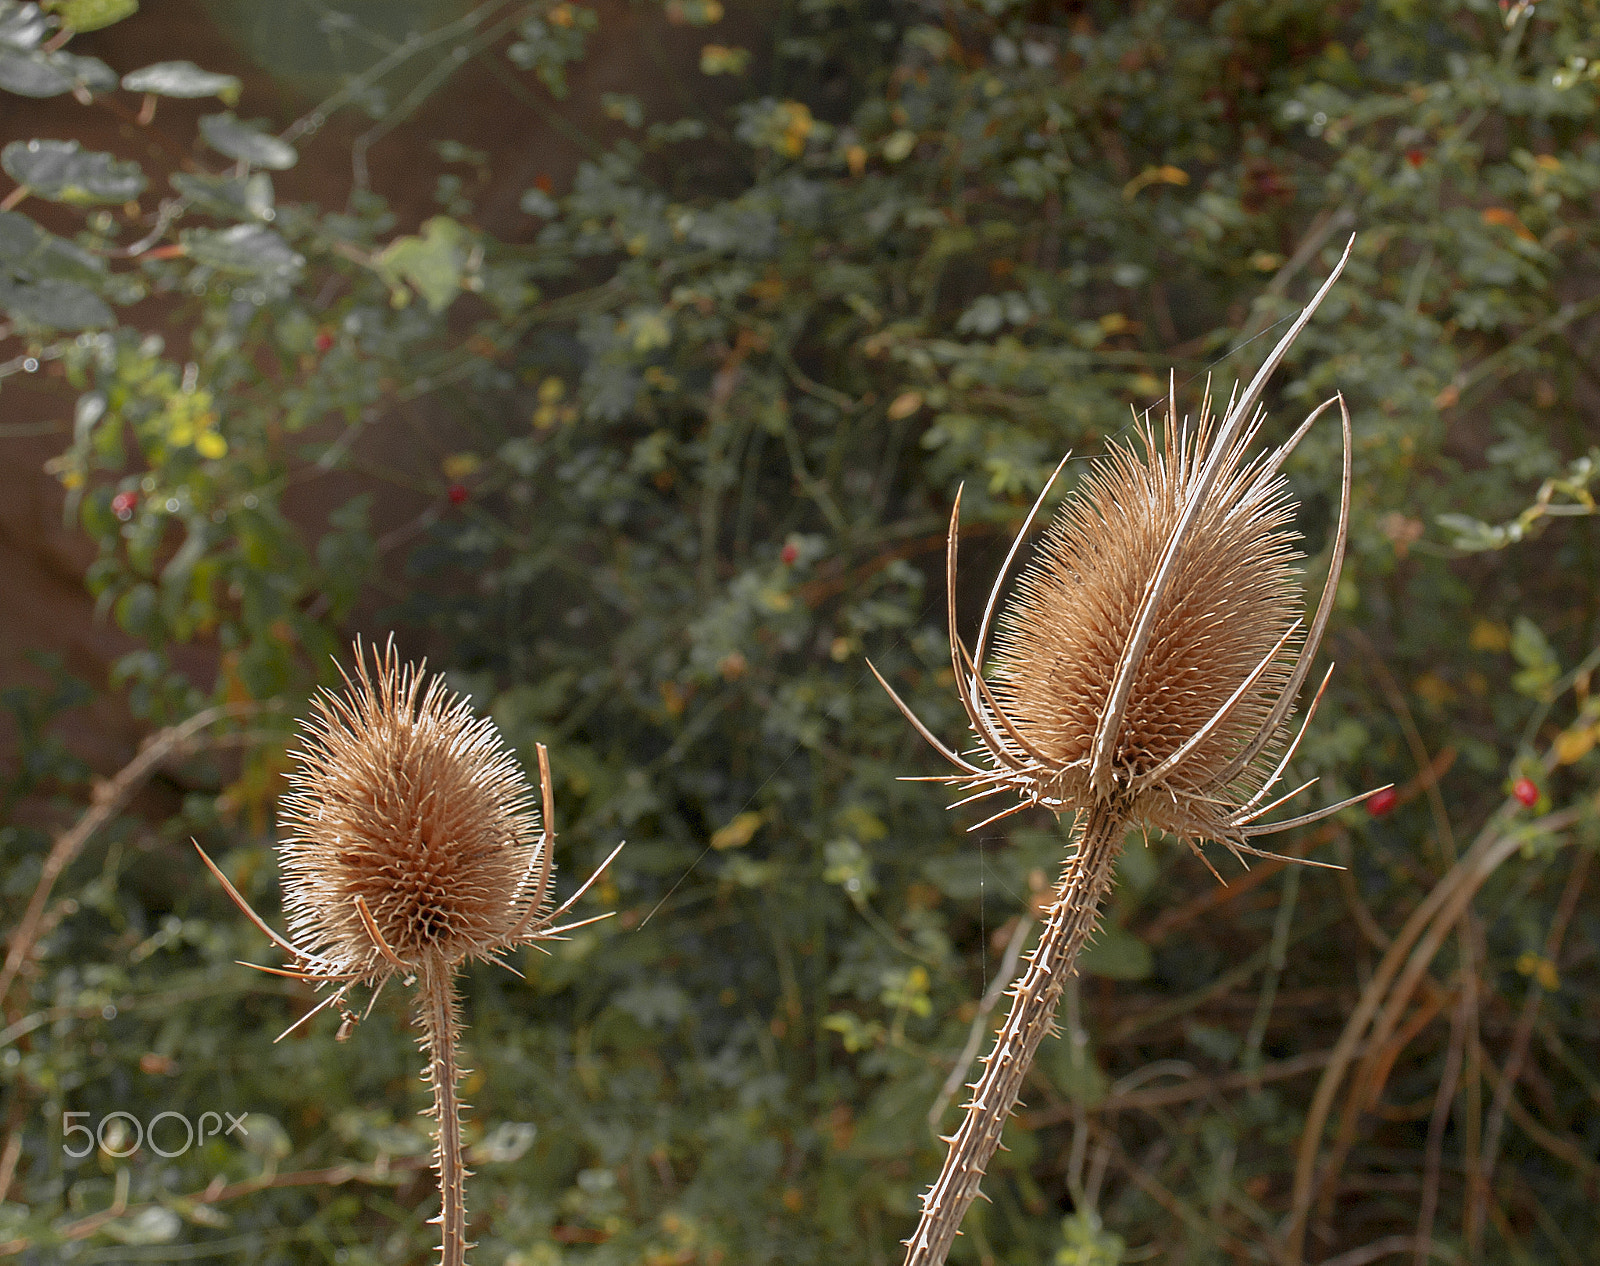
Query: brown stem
x=1085, y=879
x=441, y=1033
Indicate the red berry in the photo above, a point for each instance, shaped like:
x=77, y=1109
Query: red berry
x=324, y=340
x=791, y=553
x=1526, y=791
x=457, y=494
x=1383, y=801
x=1415, y=157
x=123, y=503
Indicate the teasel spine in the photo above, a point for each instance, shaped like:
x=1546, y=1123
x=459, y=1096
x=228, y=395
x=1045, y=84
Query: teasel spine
x=1074, y=914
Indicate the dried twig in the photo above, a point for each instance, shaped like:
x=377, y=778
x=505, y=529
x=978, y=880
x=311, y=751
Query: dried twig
x=108, y=799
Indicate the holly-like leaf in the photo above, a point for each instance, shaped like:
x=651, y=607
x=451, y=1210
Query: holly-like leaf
x=63, y=171
x=36, y=74
x=29, y=253
x=247, y=143
x=245, y=248
x=53, y=304
x=19, y=237
x=91, y=15
x=89, y=73
x=431, y=264
x=237, y=198
x=182, y=79
x=32, y=74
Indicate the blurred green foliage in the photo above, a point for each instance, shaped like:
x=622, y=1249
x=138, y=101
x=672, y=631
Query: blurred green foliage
x=698, y=433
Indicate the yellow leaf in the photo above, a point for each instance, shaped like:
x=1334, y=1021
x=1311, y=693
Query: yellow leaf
x=1540, y=968
x=1166, y=174
x=1487, y=635
x=739, y=832
x=898, y=145
x=904, y=405
x=1508, y=219
x=865, y=825
x=459, y=466
x=1435, y=689
x=720, y=59
x=1574, y=745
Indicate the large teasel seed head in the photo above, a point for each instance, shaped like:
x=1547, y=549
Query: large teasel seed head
x=1156, y=647
x=405, y=800
x=1234, y=597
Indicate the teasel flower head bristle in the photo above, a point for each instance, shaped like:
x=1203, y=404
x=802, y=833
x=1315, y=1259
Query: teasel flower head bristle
x=1144, y=673
x=412, y=845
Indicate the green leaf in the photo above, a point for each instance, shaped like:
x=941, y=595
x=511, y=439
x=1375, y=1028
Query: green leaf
x=56, y=305
x=248, y=197
x=91, y=15
x=245, y=248
x=431, y=264
x=538, y=202
x=87, y=72
x=247, y=143
x=1474, y=535
x=1540, y=667
x=63, y=171
x=19, y=238
x=848, y=865
x=182, y=79
x=1087, y=1243
x=36, y=74
x=30, y=253
x=32, y=75
x=21, y=26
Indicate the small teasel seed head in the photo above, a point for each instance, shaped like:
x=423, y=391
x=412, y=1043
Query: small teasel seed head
x=405, y=800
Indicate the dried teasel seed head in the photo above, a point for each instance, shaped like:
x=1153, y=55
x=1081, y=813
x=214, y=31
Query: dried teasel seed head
x=1151, y=658
x=405, y=804
x=1234, y=596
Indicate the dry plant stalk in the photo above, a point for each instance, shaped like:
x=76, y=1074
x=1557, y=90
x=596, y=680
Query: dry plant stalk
x=413, y=844
x=1144, y=673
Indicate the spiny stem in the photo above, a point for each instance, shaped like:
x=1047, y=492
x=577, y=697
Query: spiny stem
x=1084, y=881
x=440, y=1036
